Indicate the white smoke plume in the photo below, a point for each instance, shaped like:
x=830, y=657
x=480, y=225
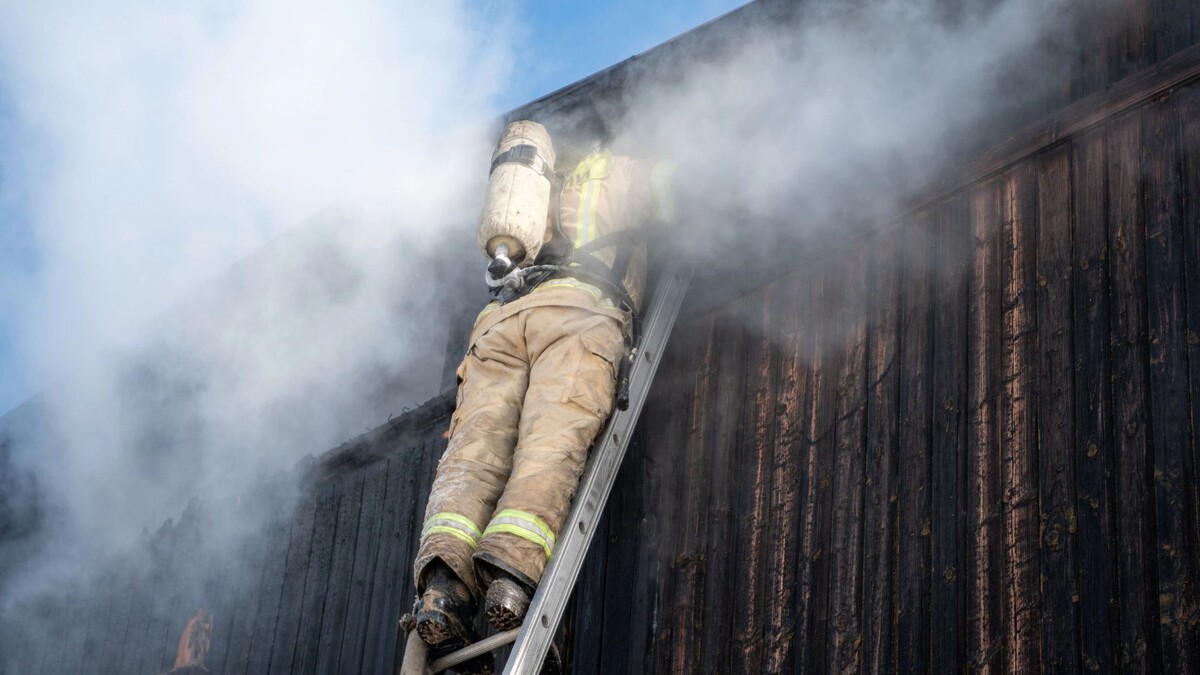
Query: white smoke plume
x=811, y=129
x=156, y=144
x=166, y=139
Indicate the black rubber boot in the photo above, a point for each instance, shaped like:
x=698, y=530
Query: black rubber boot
x=443, y=616
x=506, y=602
x=553, y=663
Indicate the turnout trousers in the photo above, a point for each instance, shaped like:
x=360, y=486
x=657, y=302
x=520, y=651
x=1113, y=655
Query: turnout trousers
x=533, y=391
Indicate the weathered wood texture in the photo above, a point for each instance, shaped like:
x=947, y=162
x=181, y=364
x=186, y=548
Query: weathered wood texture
x=988, y=463
x=968, y=442
x=318, y=588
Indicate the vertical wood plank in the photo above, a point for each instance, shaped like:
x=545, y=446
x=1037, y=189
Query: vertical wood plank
x=341, y=569
x=291, y=598
x=846, y=582
x=1056, y=420
x=813, y=574
x=728, y=451
x=250, y=642
x=1133, y=46
x=230, y=593
x=837, y=309
x=1190, y=114
x=632, y=583
x=405, y=471
x=914, y=436
x=1135, y=569
x=1171, y=22
x=1169, y=424
x=398, y=588
x=688, y=589
x=358, y=606
x=1021, y=592
x=792, y=303
x=667, y=445
x=751, y=521
x=984, y=623
x=948, y=449
x=1094, y=458
x=316, y=578
x=881, y=465
x=645, y=546
x=586, y=627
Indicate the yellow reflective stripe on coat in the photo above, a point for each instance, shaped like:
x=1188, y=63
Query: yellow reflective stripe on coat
x=660, y=190
x=589, y=199
x=602, y=300
x=524, y=525
x=452, y=524
x=596, y=166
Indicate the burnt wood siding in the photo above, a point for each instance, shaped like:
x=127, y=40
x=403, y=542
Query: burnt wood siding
x=1011, y=426
x=967, y=442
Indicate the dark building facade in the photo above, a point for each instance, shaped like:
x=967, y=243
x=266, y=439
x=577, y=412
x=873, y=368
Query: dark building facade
x=966, y=442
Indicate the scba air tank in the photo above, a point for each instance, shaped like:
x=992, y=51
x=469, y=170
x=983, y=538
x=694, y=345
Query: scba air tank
x=515, y=212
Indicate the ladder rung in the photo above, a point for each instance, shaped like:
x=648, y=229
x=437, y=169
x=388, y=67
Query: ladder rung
x=474, y=649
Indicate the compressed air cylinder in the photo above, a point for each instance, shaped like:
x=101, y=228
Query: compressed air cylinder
x=515, y=211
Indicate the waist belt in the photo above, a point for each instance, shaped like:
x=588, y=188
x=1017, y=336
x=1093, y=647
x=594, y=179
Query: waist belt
x=590, y=271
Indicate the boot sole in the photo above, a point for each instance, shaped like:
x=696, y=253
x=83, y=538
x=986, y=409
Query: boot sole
x=442, y=642
x=502, y=618
x=434, y=634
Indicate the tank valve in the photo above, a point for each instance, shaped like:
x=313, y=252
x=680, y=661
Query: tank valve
x=501, y=272
x=501, y=264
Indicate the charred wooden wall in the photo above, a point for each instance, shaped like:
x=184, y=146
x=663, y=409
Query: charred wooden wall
x=316, y=587
x=967, y=443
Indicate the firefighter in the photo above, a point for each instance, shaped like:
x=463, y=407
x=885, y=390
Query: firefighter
x=539, y=376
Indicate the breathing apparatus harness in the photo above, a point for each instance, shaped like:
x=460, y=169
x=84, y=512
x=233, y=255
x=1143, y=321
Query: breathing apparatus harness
x=560, y=258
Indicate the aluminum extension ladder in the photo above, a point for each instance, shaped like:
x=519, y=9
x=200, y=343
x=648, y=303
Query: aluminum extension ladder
x=534, y=637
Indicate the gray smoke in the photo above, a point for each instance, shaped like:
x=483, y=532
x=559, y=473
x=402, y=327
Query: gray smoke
x=156, y=144
x=811, y=129
x=162, y=141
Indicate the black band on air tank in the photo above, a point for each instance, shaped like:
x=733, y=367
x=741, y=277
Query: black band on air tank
x=523, y=154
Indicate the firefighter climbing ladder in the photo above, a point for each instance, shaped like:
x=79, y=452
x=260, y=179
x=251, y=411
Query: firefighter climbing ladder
x=533, y=639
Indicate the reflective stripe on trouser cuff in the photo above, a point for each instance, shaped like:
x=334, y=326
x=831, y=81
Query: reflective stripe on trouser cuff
x=452, y=524
x=524, y=525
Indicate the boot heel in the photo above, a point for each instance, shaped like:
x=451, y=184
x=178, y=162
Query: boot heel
x=506, y=604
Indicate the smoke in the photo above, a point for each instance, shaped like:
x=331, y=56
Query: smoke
x=157, y=142
x=154, y=144
x=801, y=132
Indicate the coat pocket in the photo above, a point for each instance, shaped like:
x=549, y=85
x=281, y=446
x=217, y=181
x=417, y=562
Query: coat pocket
x=594, y=379
x=460, y=376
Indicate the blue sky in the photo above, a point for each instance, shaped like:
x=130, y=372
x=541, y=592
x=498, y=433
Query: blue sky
x=571, y=40
x=558, y=42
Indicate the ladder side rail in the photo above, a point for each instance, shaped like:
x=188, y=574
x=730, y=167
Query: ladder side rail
x=550, y=601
